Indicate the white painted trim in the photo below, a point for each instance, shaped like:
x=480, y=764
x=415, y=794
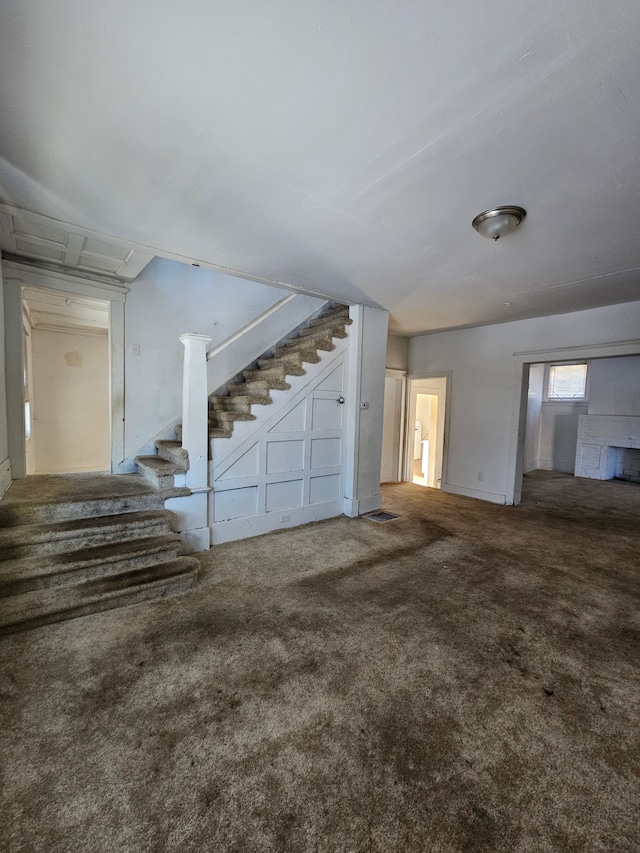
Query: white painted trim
x=256, y=525
x=493, y=497
x=40, y=274
x=520, y=385
x=5, y=476
x=407, y=466
x=394, y=373
x=353, y=383
x=214, y=351
x=354, y=508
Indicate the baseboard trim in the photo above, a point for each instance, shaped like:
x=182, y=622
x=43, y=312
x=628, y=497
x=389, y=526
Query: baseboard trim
x=492, y=497
x=5, y=476
x=353, y=507
x=196, y=540
x=256, y=525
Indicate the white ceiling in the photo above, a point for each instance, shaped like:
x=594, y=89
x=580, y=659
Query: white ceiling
x=341, y=147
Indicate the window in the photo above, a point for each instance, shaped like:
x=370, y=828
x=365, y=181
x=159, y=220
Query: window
x=567, y=382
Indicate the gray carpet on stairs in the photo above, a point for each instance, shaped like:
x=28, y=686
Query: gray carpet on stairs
x=465, y=678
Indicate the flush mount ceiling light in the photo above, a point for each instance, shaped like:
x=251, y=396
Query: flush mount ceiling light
x=499, y=221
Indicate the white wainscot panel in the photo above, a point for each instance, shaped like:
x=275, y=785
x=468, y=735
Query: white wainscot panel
x=246, y=466
x=324, y=488
x=284, y=495
x=293, y=421
x=325, y=453
x=285, y=456
x=327, y=414
x=235, y=503
x=333, y=382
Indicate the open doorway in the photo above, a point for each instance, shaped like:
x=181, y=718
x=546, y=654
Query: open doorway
x=426, y=431
x=66, y=368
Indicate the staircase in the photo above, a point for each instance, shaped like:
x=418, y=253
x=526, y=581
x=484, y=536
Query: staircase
x=77, y=544
x=250, y=388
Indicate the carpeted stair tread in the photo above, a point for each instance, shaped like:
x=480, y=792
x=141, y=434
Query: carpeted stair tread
x=290, y=356
x=160, y=467
x=20, y=540
x=224, y=418
x=74, y=567
x=220, y=403
x=328, y=318
x=258, y=385
x=173, y=451
x=278, y=370
x=303, y=348
x=319, y=341
x=44, y=606
x=335, y=331
x=41, y=512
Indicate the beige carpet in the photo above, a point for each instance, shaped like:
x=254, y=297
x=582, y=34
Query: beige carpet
x=463, y=678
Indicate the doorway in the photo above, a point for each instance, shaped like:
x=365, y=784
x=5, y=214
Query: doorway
x=391, y=463
x=424, y=458
x=67, y=399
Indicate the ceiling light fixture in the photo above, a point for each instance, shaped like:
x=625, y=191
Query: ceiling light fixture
x=499, y=221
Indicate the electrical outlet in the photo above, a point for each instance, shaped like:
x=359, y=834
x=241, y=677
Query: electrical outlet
x=480, y=476
x=285, y=517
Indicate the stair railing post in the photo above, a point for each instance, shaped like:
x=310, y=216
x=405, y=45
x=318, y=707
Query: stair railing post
x=195, y=418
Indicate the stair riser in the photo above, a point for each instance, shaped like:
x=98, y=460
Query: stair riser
x=278, y=372
x=82, y=574
x=177, y=457
x=128, y=533
x=68, y=511
x=149, y=591
x=158, y=482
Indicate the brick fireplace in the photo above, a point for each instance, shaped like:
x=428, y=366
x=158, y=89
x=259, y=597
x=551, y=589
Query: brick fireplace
x=608, y=446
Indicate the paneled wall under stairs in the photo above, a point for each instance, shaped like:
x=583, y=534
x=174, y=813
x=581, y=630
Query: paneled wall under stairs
x=287, y=468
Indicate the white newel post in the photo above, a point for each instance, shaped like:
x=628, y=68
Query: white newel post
x=195, y=424
x=193, y=519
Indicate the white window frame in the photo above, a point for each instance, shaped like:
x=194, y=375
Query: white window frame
x=564, y=400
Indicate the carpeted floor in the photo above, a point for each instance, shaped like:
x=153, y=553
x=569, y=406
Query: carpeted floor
x=463, y=678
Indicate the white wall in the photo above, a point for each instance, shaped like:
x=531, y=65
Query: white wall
x=614, y=386
x=166, y=300
x=5, y=470
x=71, y=402
x=397, y=352
x=481, y=362
x=369, y=422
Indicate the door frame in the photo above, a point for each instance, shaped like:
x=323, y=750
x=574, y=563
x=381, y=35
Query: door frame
x=17, y=274
x=520, y=384
x=399, y=376
x=407, y=469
